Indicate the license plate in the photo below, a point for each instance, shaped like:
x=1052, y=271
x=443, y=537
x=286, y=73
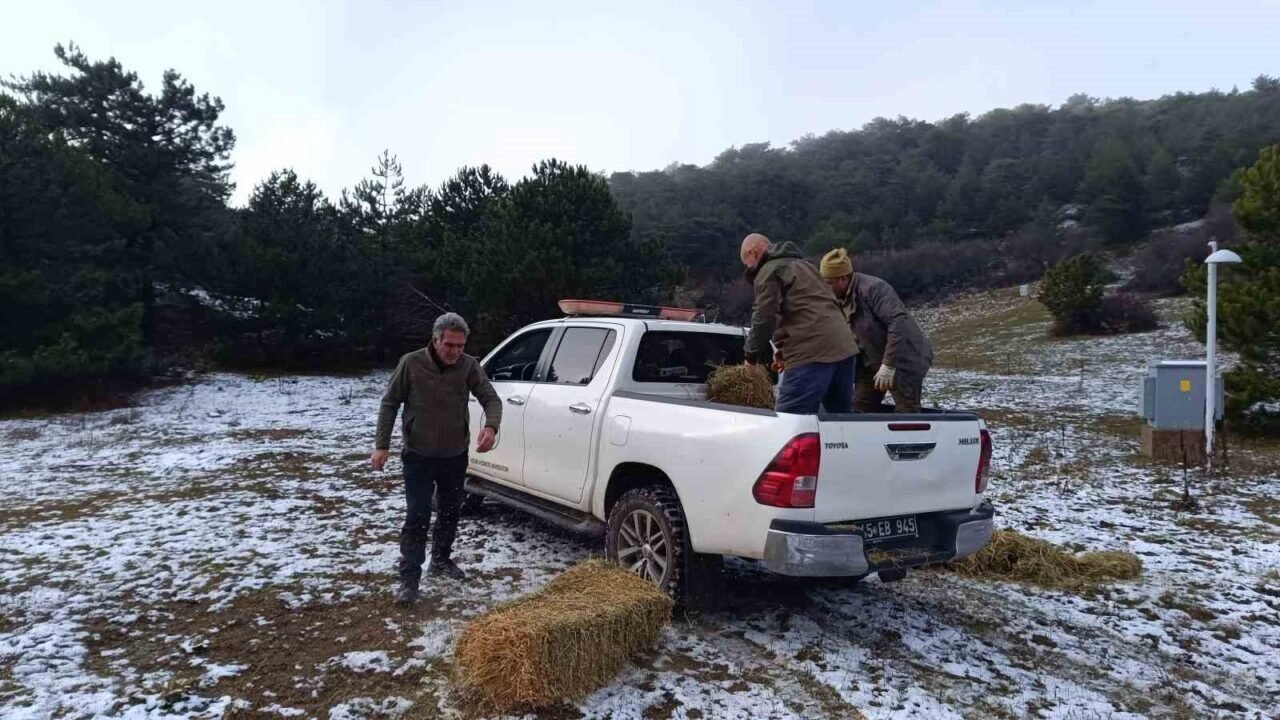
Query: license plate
x=874, y=531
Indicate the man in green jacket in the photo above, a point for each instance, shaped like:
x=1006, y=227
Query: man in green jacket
x=432, y=384
x=794, y=308
x=896, y=354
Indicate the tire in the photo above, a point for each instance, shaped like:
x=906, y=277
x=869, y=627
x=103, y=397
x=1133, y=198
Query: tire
x=647, y=534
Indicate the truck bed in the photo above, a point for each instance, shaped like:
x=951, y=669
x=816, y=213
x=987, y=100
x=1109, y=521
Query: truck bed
x=872, y=465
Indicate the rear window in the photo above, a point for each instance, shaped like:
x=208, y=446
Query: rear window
x=684, y=357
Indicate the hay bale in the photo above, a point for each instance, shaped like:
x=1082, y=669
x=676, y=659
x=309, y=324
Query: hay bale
x=742, y=385
x=1016, y=557
x=562, y=642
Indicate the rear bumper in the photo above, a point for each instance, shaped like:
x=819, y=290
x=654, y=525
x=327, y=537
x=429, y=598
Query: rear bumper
x=809, y=549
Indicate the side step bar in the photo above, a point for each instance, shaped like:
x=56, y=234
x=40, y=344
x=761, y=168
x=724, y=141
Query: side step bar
x=558, y=515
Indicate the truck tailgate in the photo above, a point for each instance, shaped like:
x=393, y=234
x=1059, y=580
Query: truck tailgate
x=875, y=466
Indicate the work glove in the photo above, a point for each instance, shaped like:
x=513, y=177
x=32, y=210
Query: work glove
x=884, y=378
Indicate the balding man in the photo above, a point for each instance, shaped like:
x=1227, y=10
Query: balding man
x=795, y=308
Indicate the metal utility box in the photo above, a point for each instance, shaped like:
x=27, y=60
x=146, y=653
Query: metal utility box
x=1173, y=395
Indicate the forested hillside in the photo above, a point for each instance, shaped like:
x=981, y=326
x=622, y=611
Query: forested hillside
x=1119, y=167
x=120, y=254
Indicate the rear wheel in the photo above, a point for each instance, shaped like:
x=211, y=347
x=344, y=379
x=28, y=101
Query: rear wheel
x=647, y=533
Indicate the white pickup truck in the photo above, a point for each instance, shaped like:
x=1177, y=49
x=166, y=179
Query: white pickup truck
x=605, y=430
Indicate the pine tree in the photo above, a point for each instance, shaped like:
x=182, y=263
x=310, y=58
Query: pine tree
x=375, y=220
x=70, y=318
x=558, y=233
x=1249, y=299
x=1162, y=181
x=165, y=157
x=1115, y=194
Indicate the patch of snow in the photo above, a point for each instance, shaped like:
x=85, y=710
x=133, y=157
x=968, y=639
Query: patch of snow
x=213, y=673
x=364, y=661
x=278, y=709
x=436, y=638
x=1264, y=408
x=390, y=708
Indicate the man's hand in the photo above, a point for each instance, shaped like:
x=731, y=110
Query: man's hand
x=488, y=438
x=778, y=365
x=379, y=459
x=884, y=378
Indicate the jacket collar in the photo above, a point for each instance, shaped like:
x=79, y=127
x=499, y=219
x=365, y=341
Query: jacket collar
x=433, y=360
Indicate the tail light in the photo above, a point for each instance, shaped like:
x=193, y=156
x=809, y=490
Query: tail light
x=984, y=464
x=791, y=480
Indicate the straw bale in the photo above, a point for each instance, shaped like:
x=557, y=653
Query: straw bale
x=742, y=385
x=562, y=642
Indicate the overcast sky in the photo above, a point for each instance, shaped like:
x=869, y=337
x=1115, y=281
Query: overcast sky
x=323, y=87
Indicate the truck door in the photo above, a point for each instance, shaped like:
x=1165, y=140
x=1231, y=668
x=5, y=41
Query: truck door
x=512, y=370
x=560, y=417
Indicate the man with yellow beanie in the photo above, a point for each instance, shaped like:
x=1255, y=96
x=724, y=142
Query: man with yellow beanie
x=896, y=355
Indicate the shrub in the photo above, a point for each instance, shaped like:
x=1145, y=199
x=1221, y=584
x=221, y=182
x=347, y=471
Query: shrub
x=1160, y=264
x=928, y=270
x=1123, y=312
x=1072, y=291
x=1027, y=253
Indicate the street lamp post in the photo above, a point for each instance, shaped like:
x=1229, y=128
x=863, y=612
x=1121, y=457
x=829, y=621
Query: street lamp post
x=1216, y=257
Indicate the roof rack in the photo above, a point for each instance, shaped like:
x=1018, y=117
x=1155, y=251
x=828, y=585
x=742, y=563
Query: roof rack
x=605, y=308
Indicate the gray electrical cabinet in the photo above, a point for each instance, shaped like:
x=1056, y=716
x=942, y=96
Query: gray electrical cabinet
x=1173, y=395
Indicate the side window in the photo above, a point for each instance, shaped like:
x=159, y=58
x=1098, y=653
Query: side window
x=517, y=361
x=581, y=353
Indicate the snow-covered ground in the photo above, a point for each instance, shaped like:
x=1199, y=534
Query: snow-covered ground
x=223, y=549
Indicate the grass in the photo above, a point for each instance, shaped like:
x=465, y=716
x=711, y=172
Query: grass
x=1113, y=424
x=27, y=433
x=1015, y=557
x=994, y=342
x=288, y=653
x=132, y=416
x=268, y=434
x=1194, y=610
x=561, y=642
x=1269, y=583
x=61, y=510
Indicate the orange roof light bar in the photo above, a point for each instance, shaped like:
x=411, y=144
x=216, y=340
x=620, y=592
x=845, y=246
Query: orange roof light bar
x=617, y=309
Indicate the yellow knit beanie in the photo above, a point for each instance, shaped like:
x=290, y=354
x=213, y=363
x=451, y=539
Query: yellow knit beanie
x=836, y=264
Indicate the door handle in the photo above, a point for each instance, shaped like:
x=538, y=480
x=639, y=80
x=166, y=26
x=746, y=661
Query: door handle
x=580, y=408
x=909, y=451
x=515, y=400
